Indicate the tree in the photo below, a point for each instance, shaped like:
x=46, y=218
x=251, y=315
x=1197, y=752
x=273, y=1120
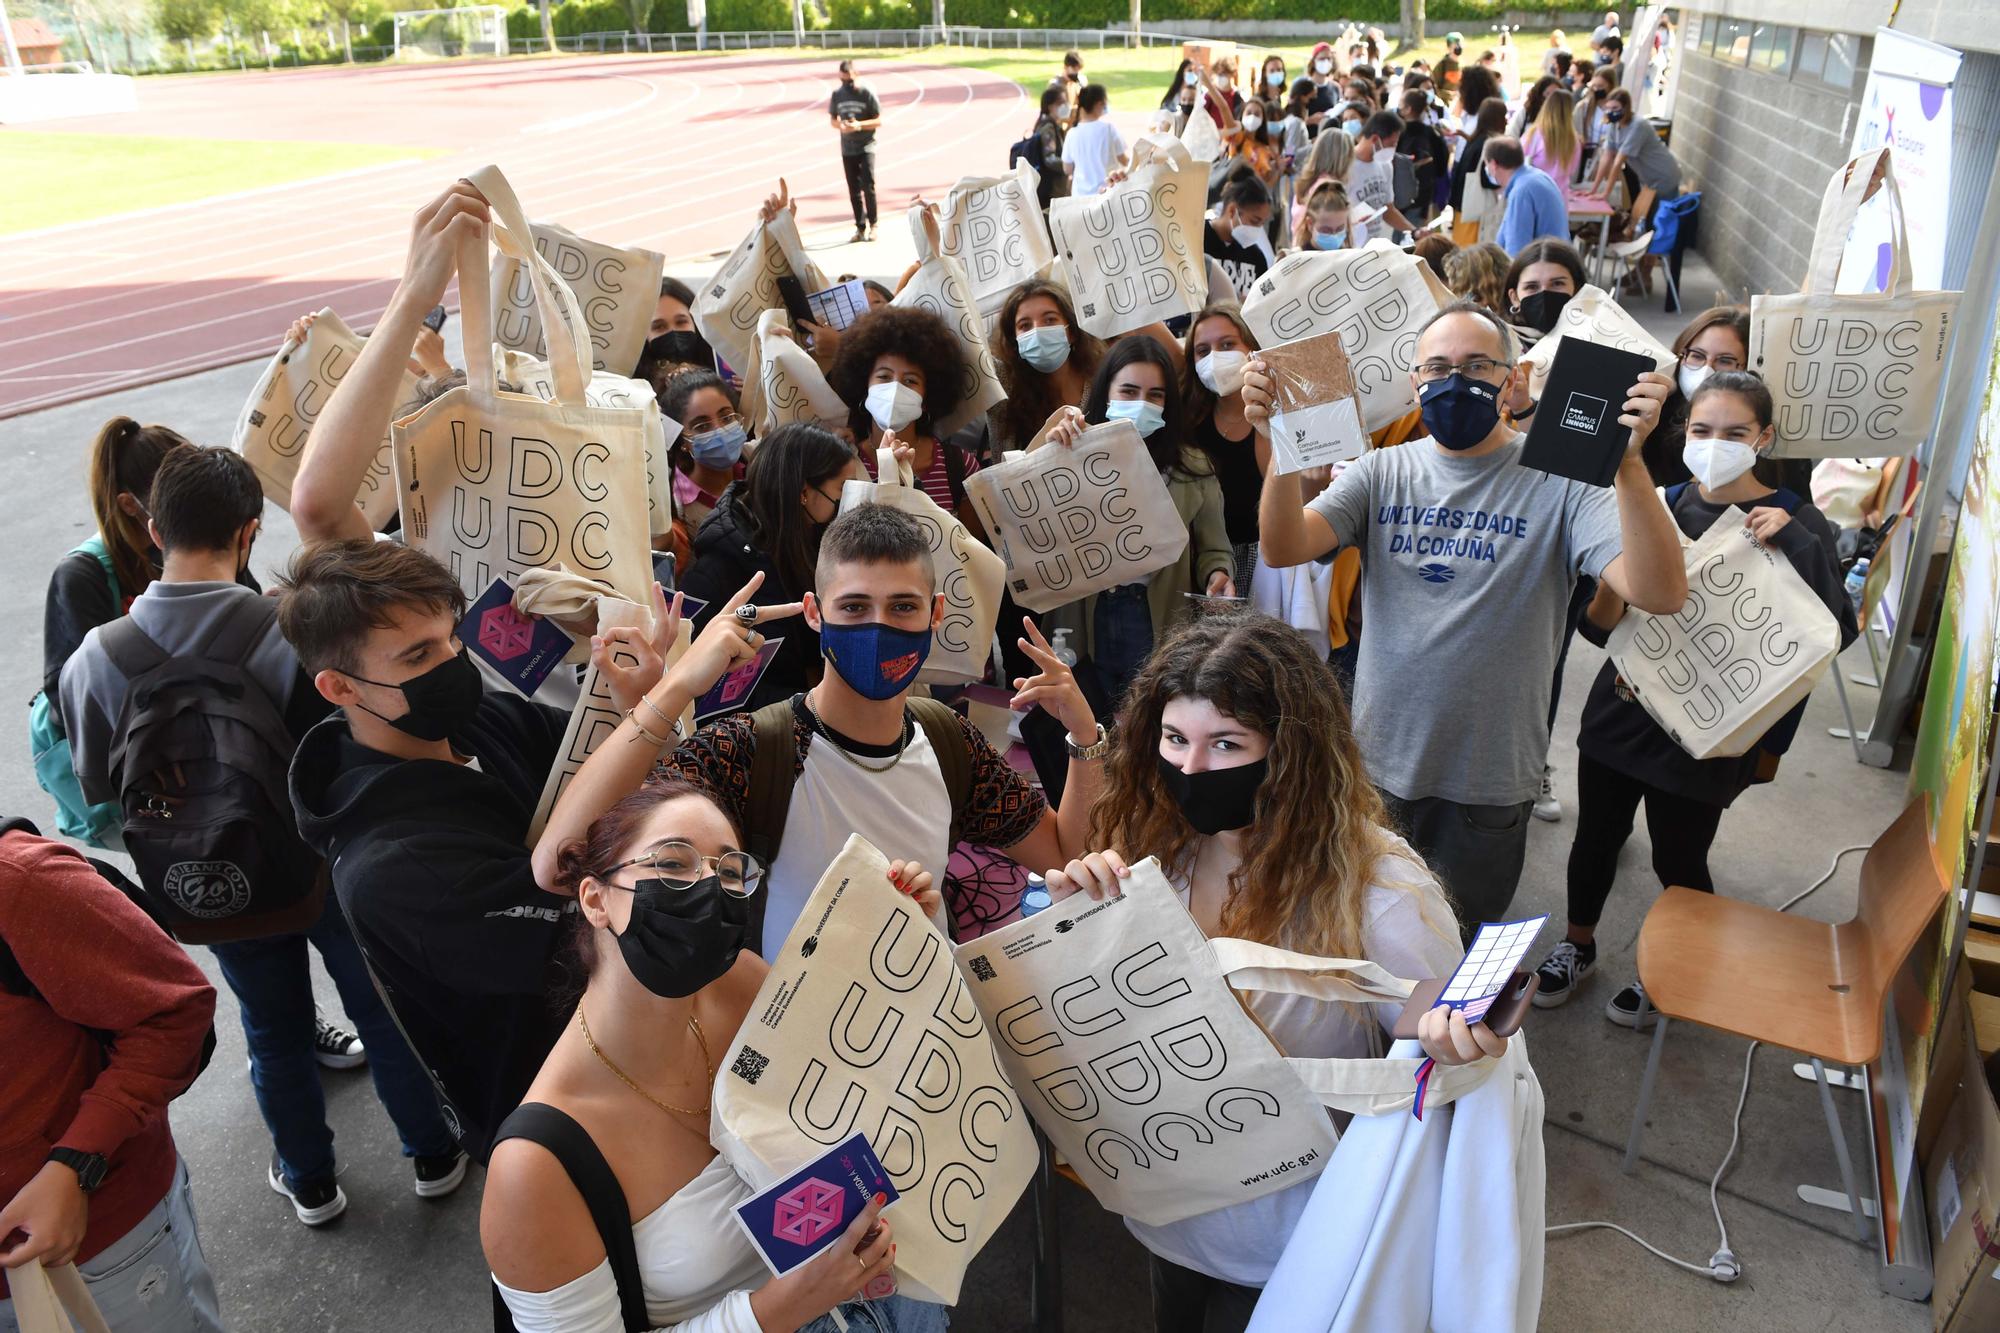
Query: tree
x=1412, y=34
x=548, y=27
x=187, y=20
x=344, y=11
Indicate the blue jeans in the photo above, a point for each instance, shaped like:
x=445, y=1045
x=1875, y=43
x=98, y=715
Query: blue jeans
x=1122, y=632
x=273, y=987
x=152, y=1279
x=895, y=1314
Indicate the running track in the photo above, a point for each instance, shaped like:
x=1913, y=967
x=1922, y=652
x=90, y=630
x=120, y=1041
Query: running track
x=673, y=153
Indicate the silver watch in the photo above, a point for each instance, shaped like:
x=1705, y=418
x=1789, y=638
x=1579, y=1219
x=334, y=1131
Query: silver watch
x=1096, y=750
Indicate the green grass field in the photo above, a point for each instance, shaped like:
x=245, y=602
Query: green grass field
x=77, y=177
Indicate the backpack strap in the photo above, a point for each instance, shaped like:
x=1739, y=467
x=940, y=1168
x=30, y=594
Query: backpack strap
x=954, y=472
x=130, y=648
x=947, y=736
x=242, y=630
x=1787, y=500
x=773, y=770
x=570, y=1144
x=94, y=546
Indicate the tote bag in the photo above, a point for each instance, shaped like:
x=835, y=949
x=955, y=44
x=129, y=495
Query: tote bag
x=1200, y=136
x=1853, y=376
x=993, y=226
x=728, y=304
x=1751, y=641
x=792, y=387
x=1594, y=317
x=1132, y=255
x=969, y=575
x=46, y=1300
x=495, y=483
x=863, y=1024
x=1071, y=522
x=534, y=376
x=940, y=286
x=1117, y=1026
x=618, y=288
x=1375, y=298
x=273, y=430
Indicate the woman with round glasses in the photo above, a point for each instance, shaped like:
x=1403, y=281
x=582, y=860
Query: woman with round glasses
x=668, y=907
x=1715, y=341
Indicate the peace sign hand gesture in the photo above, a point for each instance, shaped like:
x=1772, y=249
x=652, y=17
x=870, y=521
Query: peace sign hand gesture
x=630, y=658
x=1054, y=688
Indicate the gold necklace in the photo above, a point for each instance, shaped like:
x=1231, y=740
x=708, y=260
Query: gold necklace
x=694, y=1026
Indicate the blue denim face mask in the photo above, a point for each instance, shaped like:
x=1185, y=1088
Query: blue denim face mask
x=877, y=661
x=1460, y=411
x=1144, y=416
x=1046, y=348
x=718, y=448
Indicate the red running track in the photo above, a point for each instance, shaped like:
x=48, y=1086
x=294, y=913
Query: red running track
x=672, y=153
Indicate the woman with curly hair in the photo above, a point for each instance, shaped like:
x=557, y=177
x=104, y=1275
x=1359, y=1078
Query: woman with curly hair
x=1479, y=273
x=1045, y=361
x=899, y=370
x=1235, y=764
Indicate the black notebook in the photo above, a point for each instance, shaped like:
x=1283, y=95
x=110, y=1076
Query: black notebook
x=1575, y=432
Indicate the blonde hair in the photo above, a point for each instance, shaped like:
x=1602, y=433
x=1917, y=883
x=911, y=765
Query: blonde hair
x=1331, y=155
x=1329, y=193
x=1558, y=130
x=1478, y=273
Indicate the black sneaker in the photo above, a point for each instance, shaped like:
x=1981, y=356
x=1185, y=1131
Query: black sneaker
x=316, y=1202
x=439, y=1176
x=1623, y=1008
x=1560, y=973
x=335, y=1047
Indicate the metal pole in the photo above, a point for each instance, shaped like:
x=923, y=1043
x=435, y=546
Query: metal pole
x=7, y=34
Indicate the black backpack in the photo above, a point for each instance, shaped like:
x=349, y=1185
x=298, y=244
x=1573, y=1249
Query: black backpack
x=1027, y=150
x=200, y=761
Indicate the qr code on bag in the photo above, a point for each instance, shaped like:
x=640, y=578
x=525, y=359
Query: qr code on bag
x=981, y=969
x=750, y=1064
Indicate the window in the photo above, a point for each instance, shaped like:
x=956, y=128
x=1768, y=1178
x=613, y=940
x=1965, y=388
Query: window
x=1771, y=48
x=1811, y=61
x=1732, y=41
x=1843, y=53
x=1700, y=32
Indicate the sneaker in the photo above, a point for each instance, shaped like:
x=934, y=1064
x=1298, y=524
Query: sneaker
x=871, y=232
x=316, y=1203
x=1623, y=1008
x=860, y=235
x=439, y=1176
x=1547, y=808
x=335, y=1047
x=1560, y=972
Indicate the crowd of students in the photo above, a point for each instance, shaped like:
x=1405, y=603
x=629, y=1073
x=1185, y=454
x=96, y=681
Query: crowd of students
x=1330, y=788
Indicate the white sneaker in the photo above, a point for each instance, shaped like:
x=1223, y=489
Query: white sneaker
x=1547, y=808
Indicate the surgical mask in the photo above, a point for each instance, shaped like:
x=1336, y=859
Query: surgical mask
x=441, y=701
x=1330, y=240
x=680, y=346
x=1045, y=347
x=1216, y=800
x=1460, y=411
x=678, y=940
x=1249, y=237
x=1716, y=463
x=1144, y=416
x=1274, y=77
x=1351, y=128
x=1061, y=111
x=1539, y=310
x=893, y=405
x=1251, y=124
x=1190, y=78
x=1223, y=83
x=1692, y=377
x=1222, y=372
x=877, y=661
x=717, y=448
x=1323, y=66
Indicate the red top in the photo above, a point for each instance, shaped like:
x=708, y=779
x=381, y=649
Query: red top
x=95, y=961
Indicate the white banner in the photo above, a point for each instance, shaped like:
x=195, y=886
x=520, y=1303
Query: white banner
x=1906, y=105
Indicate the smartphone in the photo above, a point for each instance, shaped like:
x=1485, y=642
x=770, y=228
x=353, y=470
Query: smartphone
x=434, y=321
x=794, y=293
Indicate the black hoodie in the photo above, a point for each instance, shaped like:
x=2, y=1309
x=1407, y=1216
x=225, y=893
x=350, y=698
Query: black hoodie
x=724, y=560
x=431, y=864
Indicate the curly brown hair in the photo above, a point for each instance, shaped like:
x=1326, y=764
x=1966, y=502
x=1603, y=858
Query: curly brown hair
x=1320, y=832
x=1030, y=399
x=919, y=337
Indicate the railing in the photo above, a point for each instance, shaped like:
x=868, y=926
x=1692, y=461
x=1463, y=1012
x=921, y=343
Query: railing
x=826, y=39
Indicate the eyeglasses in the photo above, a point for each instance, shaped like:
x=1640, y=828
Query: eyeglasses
x=680, y=866
x=1478, y=367
x=703, y=424
x=1697, y=358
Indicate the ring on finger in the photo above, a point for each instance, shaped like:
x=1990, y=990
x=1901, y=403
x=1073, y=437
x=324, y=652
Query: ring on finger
x=746, y=614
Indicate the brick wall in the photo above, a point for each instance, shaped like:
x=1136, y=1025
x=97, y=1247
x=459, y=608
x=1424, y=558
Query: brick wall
x=1760, y=148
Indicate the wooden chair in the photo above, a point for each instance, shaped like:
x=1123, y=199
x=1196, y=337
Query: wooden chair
x=1805, y=985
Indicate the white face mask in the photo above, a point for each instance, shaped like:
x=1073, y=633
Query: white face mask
x=1323, y=66
x=1275, y=77
x=1223, y=83
x=1222, y=372
x=1250, y=237
x=1716, y=463
x=893, y=405
x=1251, y=124
x=1691, y=378
x=1061, y=111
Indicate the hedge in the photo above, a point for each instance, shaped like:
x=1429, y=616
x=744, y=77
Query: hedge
x=1438, y=14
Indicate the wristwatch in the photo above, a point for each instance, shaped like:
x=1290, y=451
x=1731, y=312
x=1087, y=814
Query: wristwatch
x=1529, y=410
x=1096, y=750
x=90, y=1167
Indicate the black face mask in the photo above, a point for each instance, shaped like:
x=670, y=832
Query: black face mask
x=1216, y=800
x=1540, y=310
x=441, y=701
x=678, y=940
x=680, y=347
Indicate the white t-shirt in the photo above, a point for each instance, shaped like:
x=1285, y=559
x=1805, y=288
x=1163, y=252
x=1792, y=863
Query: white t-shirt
x=1409, y=931
x=1373, y=184
x=1093, y=149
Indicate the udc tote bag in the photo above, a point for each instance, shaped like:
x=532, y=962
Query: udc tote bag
x=1133, y=255
x=994, y=227
x=940, y=286
x=494, y=483
x=1853, y=375
x=617, y=286
x=47, y=1300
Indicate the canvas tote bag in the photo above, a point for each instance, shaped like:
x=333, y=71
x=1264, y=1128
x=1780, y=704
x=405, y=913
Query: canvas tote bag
x=993, y=226
x=495, y=483
x=792, y=387
x=273, y=430
x=1857, y=375
x=940, y=286
x=46, y=1300
x=1594, y=317
x=863, y=1024
x=727, y=305
x=607, y=390
x=1750, y=642
x=618, y=288
x=1132, y=255
x=1071, y=522
x=969, y=575
x=1200, y=136
x=1375, y=298
x=1116, y=1024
